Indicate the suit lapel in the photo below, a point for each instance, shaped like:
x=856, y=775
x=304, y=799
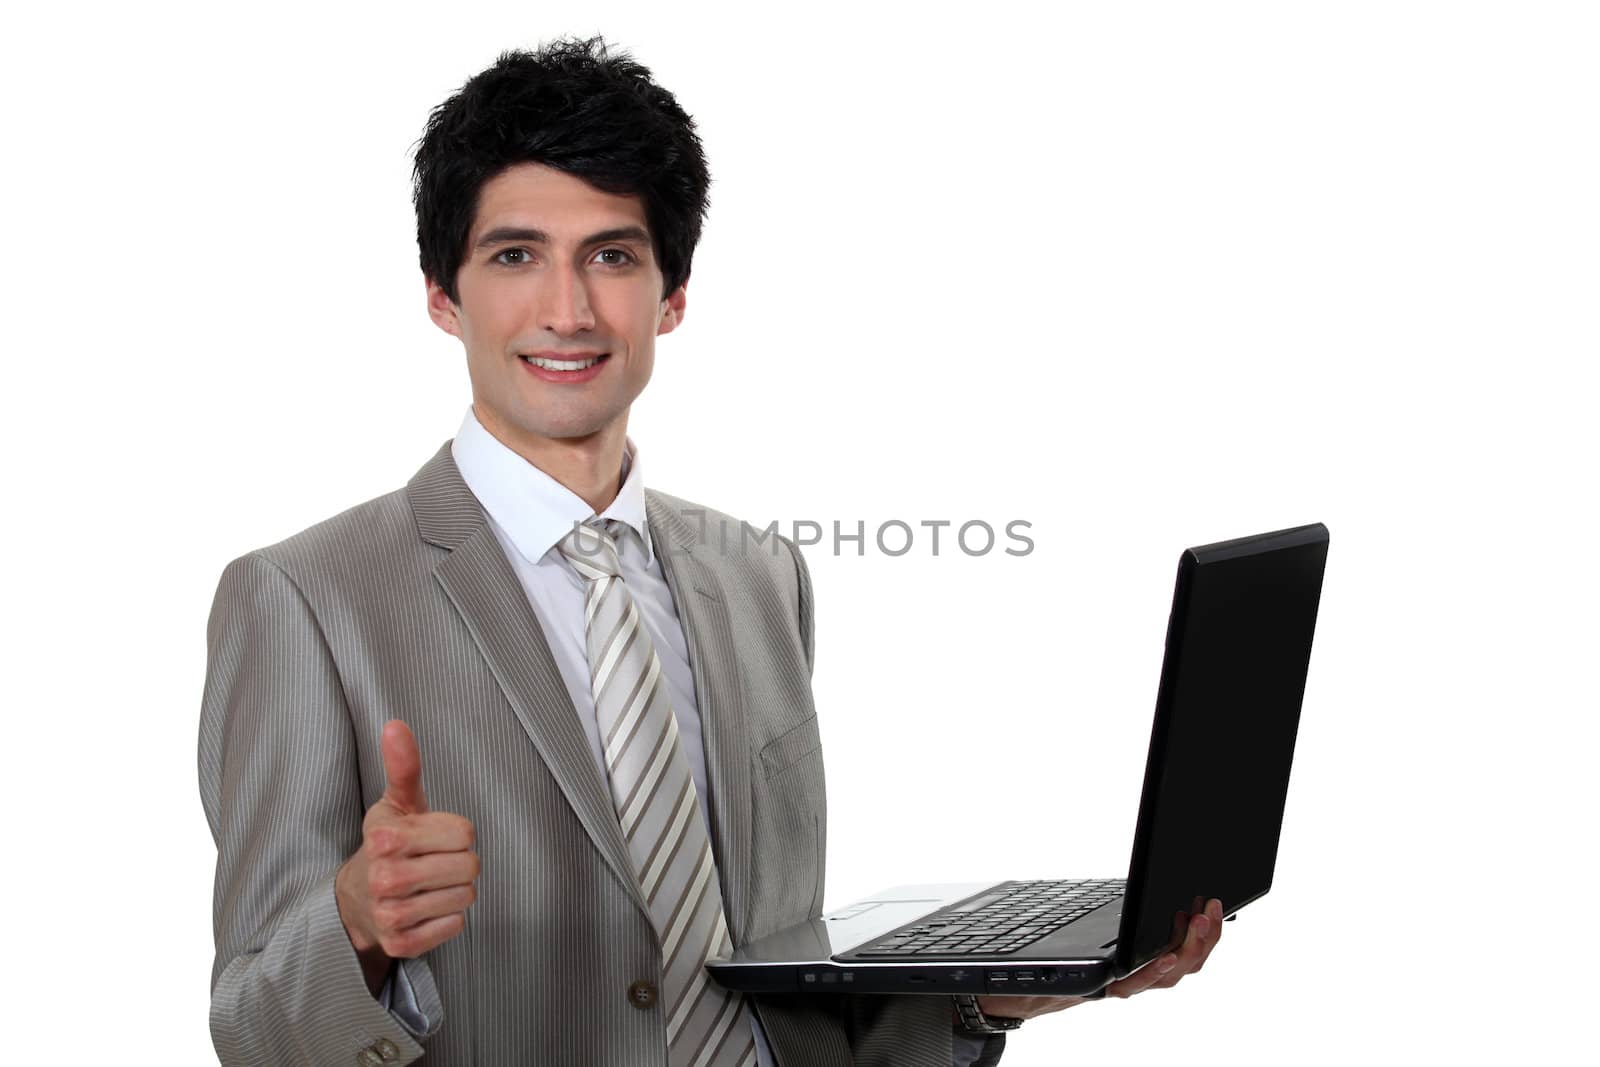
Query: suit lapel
x=691, y=566
x=480, y=583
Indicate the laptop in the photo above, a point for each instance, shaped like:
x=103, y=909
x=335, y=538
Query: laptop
x=1215, y=781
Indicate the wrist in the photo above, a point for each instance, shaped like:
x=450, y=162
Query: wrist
x=990, y=1006
x=375, y=963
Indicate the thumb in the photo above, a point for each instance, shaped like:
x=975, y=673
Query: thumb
x=402, y=765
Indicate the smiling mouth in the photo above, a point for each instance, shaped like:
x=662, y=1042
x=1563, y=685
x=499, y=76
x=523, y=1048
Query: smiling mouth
x=565, y=364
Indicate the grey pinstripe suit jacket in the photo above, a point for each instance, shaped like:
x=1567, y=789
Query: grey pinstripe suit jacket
x=406, y=607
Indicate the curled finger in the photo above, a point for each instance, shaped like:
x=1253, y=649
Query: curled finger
x=1144, y=978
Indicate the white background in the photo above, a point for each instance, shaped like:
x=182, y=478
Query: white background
x=1143, y=275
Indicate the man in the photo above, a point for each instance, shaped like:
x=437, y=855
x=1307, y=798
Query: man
x=610, y=698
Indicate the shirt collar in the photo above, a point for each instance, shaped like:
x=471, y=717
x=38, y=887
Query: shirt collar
x=534, y=509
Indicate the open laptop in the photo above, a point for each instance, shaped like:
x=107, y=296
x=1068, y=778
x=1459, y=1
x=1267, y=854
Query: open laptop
x=1238, y=645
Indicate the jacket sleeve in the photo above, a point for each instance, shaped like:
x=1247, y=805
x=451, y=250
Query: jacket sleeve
x=280, y=784
x=886, y=1029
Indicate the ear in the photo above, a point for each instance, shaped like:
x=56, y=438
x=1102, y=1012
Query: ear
x=441, y=310
x=672, y=309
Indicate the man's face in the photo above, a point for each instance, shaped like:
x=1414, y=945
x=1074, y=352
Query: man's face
x=556, y=268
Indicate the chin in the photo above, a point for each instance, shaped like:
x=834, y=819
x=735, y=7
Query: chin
x=567, y=431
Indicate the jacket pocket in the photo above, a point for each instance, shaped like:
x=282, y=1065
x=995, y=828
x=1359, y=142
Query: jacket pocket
x=790, y=748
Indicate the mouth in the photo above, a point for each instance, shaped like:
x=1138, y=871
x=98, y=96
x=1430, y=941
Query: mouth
x=566, y=370
x=565, y=363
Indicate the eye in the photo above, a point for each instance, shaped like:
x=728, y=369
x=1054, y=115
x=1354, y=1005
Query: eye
x=522, y=252
x=626, y=256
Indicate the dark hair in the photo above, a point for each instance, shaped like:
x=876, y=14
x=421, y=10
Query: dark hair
x=573, y=106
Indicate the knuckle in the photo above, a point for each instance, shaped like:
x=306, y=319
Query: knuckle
x=383, y=840
x=384, y=880
x=390, y=914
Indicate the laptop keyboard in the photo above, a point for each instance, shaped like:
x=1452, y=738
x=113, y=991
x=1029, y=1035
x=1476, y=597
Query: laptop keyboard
x=1021, y=914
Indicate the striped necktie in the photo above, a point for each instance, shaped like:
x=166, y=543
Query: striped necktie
x=658, y=810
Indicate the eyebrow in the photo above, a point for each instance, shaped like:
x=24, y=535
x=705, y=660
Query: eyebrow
x=502, y=234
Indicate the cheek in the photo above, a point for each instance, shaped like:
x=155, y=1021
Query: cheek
x=634, y=313
x=488, y=323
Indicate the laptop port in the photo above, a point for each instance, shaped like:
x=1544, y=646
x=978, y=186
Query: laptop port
x=1024, y=976
x=1049, y=974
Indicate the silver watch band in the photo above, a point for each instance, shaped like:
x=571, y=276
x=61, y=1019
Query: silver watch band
x=974, y=1021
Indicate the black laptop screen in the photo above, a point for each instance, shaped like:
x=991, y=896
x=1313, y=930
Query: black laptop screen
x=1238, y=645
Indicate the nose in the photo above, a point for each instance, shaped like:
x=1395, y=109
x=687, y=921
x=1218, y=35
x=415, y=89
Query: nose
x=563, y=302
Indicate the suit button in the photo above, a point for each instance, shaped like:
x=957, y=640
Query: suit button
x=369, y=1058
x=642, y=995
x=386, y=1049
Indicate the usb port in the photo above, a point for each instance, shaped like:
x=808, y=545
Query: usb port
x=998, y=976
x=1024, y=976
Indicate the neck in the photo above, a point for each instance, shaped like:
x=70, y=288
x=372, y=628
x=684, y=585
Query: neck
x=590, y=466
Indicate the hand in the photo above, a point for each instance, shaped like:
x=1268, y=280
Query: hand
x=408, y=886
x=1195, y=937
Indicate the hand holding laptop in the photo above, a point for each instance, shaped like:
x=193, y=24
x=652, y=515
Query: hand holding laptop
x=1194, y=938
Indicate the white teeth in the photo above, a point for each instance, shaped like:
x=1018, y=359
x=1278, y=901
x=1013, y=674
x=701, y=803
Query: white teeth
x=562, y=364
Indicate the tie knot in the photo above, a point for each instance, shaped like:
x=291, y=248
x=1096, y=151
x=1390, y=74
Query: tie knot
x=591, y=548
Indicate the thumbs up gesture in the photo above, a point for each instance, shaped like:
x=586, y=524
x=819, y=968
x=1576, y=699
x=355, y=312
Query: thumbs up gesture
x=408, y=886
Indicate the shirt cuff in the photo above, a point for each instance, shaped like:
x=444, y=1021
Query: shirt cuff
x=399, y=998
